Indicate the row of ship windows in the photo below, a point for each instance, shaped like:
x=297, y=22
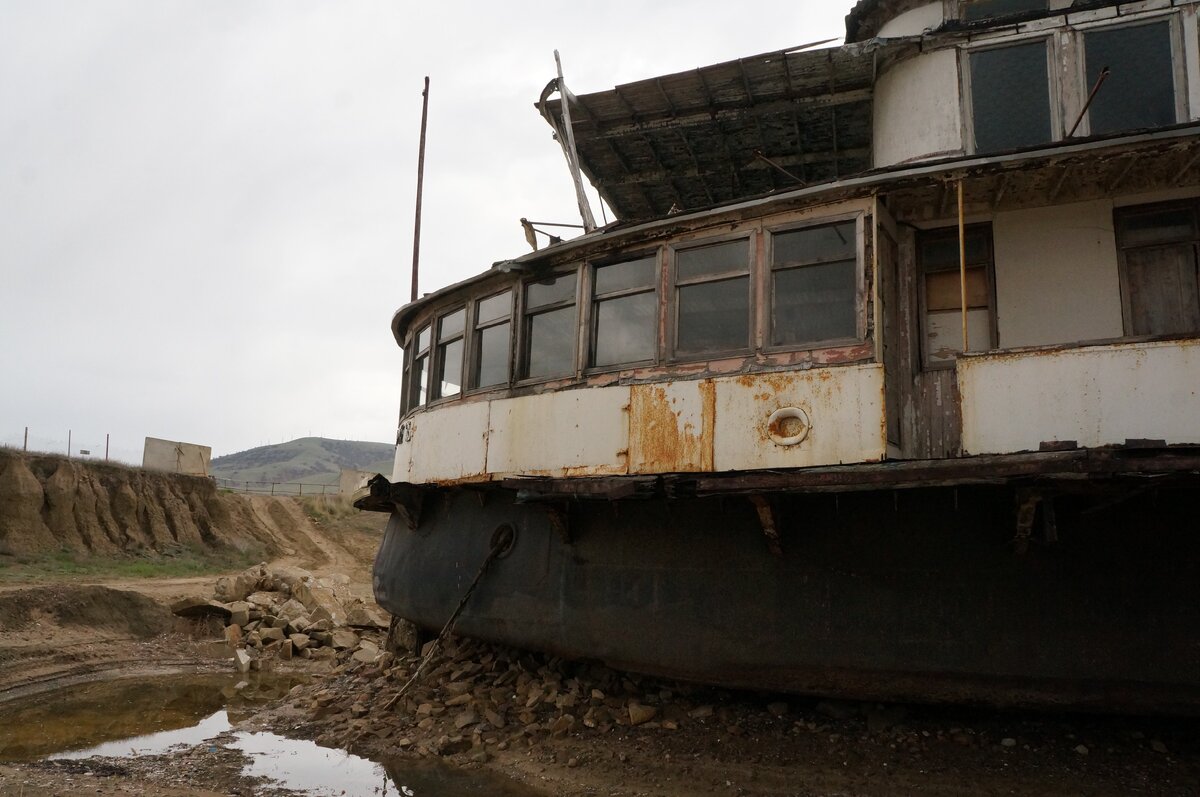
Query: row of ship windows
x=615, y=308
x=1128, y=70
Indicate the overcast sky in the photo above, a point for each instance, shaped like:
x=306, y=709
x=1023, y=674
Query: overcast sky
x=206, y=206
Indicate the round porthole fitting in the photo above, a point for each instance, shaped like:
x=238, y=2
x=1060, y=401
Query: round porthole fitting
x=788, y=426
x=504, y=538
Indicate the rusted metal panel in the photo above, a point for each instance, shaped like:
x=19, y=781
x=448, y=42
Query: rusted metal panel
x=671, y=427
x=572, y=433
x=449, y=443
x=824, y=416
x=1096, y=395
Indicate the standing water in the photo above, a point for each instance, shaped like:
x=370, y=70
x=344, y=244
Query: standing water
x=131, y=718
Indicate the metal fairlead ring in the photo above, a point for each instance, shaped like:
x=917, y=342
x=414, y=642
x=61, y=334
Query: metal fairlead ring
x=777, y=426
x=504, y=539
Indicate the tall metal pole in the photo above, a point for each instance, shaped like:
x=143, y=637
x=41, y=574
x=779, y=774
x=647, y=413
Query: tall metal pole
x=68, y=444
x=420, y=189
x=26, y=448
x=106, y=448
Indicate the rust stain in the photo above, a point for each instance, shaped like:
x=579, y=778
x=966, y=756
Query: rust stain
x=661, y=441
x=708, y=418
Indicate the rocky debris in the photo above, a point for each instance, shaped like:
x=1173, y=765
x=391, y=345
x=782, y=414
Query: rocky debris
x=283, y=612
x=195, y=606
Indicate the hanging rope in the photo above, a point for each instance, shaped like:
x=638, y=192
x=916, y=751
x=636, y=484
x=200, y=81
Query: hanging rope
x=501, y=543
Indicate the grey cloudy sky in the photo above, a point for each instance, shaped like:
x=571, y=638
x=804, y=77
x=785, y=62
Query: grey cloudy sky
x=206, y=206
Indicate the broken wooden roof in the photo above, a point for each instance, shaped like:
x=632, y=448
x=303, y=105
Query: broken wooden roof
x=726, y=132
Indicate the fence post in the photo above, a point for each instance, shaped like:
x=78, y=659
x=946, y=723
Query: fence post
x=68, y=444
x=106, y=448
x=272, y=488
x=26, y=447
x=301, y=490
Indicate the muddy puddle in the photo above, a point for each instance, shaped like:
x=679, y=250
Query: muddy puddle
x=135, y=718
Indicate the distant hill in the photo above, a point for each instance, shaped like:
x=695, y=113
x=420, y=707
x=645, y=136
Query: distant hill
x=311, y=460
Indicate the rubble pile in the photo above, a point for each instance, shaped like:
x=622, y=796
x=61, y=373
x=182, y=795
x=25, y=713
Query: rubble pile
x=281, y=613
x=475, y=697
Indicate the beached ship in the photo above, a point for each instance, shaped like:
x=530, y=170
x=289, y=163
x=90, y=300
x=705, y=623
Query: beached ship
x=886, y=383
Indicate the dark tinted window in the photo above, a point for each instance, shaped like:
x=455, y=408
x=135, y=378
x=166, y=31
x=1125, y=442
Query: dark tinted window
x=712, y=297
x=1140, y=89
x=714, y=316
x=551, y=344
x=814, y=284
x=491, y=353
x=625, y=312
x=550, y=326
x=1010, y=97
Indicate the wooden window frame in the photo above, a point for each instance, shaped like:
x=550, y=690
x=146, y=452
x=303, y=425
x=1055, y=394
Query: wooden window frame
x=751, y=238
x=589, y=319
x=922, y=292
x=438, y=343
x=524, y=314
x=474, y=328
x=766, y=316
x=1192, y=205
x=1054, y=88
x=419, y=354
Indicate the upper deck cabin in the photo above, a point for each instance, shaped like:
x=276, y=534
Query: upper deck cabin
x=784, y=287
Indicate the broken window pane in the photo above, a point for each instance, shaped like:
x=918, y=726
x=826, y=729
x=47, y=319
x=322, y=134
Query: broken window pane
x=990, y=9
x=551, y=348
x=1168, y=225
x=450, y=369
x=714, y=316
x=419, y=387
x=1140, y=89
x=1010, y=97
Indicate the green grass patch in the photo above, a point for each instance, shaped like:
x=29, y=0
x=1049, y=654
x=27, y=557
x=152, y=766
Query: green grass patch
x=67, y=566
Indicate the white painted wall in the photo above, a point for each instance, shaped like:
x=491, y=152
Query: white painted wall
x=913, y=22
x=844, y=407
x=1096, y=396
x=1057, y=279
x=917, y=109
x=174, y=457
x=690, y=426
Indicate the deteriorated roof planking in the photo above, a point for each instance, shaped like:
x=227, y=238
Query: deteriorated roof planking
x=725, y=132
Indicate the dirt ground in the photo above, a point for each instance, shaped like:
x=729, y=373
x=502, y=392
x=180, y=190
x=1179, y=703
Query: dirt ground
x=561, y=728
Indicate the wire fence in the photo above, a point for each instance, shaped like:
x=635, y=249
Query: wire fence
x=277, y=488
x=73, y=443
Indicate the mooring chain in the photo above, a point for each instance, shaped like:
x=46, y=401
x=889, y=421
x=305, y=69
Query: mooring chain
x=501, y=543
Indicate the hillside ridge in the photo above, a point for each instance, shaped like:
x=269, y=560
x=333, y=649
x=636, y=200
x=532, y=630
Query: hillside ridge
x=314, y=460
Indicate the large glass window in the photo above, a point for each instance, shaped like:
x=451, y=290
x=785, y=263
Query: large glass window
x=938, y=256
x=712, y=298
x=451, y=331
x=491, y=349
x=1160, y=269
x=1010, y=97
x=1140, y=89
x=418, y=389
x=814, y=274
x=624, y=312
x=551, y=323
